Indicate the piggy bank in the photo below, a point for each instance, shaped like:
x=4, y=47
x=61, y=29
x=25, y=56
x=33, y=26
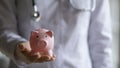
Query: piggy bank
x=42, y=42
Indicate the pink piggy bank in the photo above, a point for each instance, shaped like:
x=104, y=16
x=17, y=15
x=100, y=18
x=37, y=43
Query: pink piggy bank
x=42, y=42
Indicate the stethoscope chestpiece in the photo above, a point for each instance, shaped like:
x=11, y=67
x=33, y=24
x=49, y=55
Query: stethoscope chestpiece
x=36, y=16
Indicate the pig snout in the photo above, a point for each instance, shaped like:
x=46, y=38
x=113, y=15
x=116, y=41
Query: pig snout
x=42, y=44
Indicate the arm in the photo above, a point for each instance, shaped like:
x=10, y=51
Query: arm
x=99, y=38
x=9, y=36
x=11, y=43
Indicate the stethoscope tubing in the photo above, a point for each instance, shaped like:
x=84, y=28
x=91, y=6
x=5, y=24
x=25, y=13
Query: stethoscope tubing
x=36, y=14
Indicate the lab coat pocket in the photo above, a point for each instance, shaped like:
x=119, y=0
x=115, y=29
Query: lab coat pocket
x=83, y=5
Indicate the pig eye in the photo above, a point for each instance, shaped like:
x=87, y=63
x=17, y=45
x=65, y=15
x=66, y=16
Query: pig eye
x=37, y=36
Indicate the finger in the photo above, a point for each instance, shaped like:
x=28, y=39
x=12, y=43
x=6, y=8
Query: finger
x=24, y=46
x=23, y=57
x=34, y=57
x=43, y=59
x=21, y=47
x=53, y=57
x=27, y=46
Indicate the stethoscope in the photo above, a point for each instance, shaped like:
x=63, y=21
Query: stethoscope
x=91, y=9
x=36, y=14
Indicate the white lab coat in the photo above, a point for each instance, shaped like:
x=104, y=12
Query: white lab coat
x=82, y=35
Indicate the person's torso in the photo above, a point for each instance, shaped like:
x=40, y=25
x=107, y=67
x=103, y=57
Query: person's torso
x=69, y=24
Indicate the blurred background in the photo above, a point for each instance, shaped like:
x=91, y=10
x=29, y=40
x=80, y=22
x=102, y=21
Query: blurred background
x=115, y=14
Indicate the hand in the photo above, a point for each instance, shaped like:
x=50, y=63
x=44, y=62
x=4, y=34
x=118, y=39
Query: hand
x=23, y=53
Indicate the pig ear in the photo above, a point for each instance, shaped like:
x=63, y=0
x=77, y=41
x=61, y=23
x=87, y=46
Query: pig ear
x=34, y=32
x=50, y=33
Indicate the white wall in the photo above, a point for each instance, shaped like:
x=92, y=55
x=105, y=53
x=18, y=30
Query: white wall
x=114, y=4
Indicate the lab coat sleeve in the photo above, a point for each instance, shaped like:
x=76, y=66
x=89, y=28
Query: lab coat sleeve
x=99, y=38
x=9, y=36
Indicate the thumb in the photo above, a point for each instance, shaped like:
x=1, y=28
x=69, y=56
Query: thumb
x=24, y=47
x=22, y=51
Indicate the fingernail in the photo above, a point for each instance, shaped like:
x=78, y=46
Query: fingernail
x=21, y=47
